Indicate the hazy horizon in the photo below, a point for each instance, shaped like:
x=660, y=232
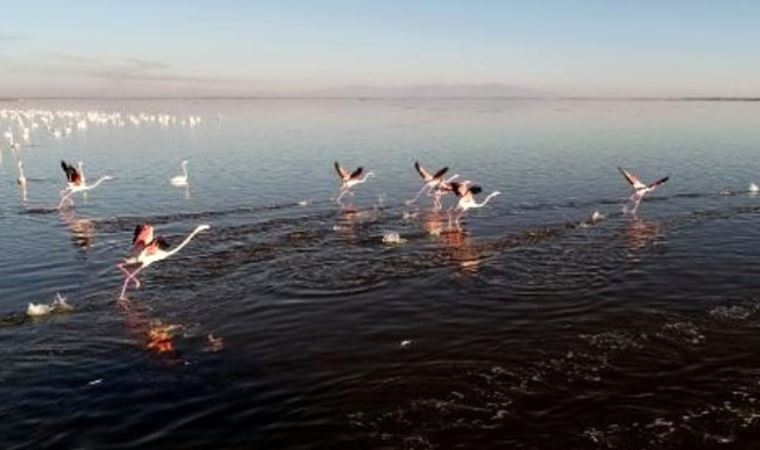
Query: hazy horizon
x=393, y=49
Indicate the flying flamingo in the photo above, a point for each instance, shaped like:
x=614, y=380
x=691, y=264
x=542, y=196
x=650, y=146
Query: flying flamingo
x=639, y=190
x=180, y=180
x=466, y=194
x=429, y=181
x=148, y=250
x=350, y=179
x=76, y=182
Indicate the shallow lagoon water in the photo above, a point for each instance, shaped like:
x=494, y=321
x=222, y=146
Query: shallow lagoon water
x=534, y=329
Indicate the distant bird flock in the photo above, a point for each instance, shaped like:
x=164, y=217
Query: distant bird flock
x=147, y=249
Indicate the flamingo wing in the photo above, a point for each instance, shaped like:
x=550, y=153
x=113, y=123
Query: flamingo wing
x=421, y=170
x=475, y=190
x=458, y=188
x=72, y=174
x=357, y=173
x=659, y=182
x=342, y=173
x=438, y=175
x=162, y=243
x=632, y=179
x=143, y=235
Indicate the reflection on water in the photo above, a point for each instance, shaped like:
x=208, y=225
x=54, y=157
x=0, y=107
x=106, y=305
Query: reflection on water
x=82, y=230
x=641, y=234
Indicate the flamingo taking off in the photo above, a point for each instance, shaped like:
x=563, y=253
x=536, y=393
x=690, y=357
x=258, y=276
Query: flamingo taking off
x=76, y=182
x=350, y=179
x=466, y=195
x=148, y=250
x=180, y=180
x=429, y=181
x=639, y=190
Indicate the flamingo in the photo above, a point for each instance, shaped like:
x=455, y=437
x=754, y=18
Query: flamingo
x=148, y=250
x=466, y=194
x=442, y=189
x=350, y=179
x=180, y=180
x=76, y=182
x=429, y=181
x=639, y=189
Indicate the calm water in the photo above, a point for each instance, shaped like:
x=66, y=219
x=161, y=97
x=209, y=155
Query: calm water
x=532, y=330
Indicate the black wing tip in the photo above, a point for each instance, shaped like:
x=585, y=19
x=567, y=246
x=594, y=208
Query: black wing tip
x=441, y=172
x=476, y=189
x=163, y=244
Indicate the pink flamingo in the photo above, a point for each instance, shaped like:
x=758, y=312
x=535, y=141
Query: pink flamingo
x=466, y=195
x=431, y=182
x=148, y=250
x=350, y=179
x=639, y=190
x=76, y=183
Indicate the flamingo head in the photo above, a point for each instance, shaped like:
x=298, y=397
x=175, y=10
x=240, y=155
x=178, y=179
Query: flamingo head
x=203, y=227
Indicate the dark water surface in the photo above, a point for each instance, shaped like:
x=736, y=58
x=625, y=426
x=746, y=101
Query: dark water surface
x=531, y=330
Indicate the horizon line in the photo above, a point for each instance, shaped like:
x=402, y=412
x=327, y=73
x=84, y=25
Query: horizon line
x=405, y=97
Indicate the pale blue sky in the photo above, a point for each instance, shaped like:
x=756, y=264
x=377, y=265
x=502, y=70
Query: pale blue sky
x=605, y=48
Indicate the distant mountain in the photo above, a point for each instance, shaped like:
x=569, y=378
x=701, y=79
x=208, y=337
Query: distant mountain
x=488, y=90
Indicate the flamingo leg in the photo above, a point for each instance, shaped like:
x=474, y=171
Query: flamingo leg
x=340, y=196
x=126, y=282
x=409, y=202
x=459, y=216
x=64, y=198
x=129, y=275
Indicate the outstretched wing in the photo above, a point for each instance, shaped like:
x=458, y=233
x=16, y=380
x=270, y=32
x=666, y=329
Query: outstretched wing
x=143, y=235
x=475, y=190
x=421, y=170
x=457, y=188
x=357, y=173
x=438, y=175
x=72, y=175
x=659, y=182
x=162, y=243
x=342, y=173
x=632, y=179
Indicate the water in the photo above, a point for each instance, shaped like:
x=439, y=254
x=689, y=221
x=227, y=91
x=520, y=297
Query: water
x=535, y=328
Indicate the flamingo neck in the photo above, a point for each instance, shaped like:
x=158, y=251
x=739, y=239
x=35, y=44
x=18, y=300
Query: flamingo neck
x=184, y=170
x=490, y=196
x=100, y=180
x=185, y=242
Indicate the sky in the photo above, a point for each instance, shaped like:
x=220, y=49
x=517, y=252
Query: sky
x=227, y=47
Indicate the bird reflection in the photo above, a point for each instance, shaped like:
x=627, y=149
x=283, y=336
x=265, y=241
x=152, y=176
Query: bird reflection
x=152, y=334
x=82, y=230
x=641, y=234
x=456, y=243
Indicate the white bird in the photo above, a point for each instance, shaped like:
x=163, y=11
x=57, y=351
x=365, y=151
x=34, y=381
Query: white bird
x=753, y=188
x=21, y=180
x=466, y=194
x=639, y=189
x=350, y=179
x=149, y=250
x=181, y=180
